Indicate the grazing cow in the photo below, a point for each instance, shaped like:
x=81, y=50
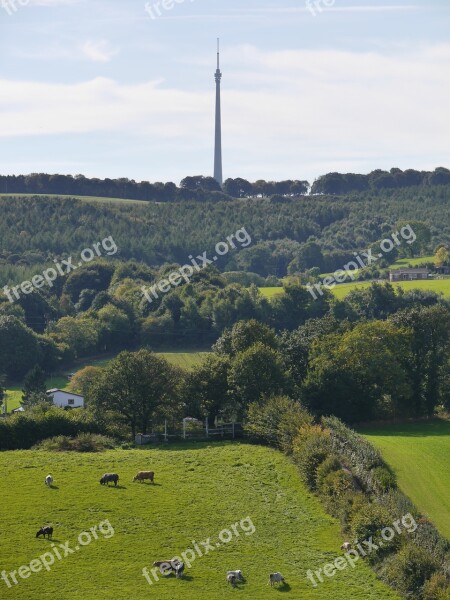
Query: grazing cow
x=144, y=475
x=236, y=574
x=49, y=480
x=45, y=531
x=276, y=578
x=231, y=578
x=167, y=566
x=346, y=546
x=107, y=477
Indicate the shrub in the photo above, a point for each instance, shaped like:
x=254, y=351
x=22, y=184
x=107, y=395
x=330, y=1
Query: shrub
x=84, y=442
x=276, y=422
x=311, y=447
x=408, y=570
x=368, y=524
x=363, y=458
x=337, y=483
x=437, y=588
x=329, y=465
x=383, y=479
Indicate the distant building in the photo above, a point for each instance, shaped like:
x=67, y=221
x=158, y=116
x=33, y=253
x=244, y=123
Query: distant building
x=66, y=399
x=408, y=274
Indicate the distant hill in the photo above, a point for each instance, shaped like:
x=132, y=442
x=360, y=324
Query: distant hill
x=33, y=230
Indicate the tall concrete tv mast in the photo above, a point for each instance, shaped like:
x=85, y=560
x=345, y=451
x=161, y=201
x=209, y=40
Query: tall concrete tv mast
x=218, y=140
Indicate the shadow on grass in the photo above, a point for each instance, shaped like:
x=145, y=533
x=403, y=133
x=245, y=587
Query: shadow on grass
x=184, y=577
x=147, y=483
x=53, y=487
x=283, y=588
x=194, y=445
x=432, y=428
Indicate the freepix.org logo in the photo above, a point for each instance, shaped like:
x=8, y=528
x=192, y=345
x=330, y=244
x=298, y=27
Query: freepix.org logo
x=63, y=267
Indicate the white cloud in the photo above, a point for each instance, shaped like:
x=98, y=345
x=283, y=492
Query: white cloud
x=99, y=51
x=52, y=3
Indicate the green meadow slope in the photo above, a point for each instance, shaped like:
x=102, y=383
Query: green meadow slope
x=419, y=454
x=440, y=286
x=200, y=490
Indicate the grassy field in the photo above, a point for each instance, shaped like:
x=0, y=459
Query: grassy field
x=200, y=491
x=270, y=292
x=419, y=453
x=186, y=360
x=412, y=262
x=434, y=285
x=343, y=289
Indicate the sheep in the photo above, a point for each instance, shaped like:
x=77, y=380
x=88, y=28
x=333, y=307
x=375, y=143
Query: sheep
x=107, y=477
x=346, y=546
x=49, y=480
x=237, y=574
x=276, y=578
x=45, y=531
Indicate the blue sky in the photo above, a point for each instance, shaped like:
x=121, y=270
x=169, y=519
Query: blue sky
x=101, y=88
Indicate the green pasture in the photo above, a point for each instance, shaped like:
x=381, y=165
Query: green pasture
x=342, y=290
x=200, y=491
x=419, y=453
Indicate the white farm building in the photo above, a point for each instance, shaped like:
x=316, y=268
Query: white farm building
x=66, y=399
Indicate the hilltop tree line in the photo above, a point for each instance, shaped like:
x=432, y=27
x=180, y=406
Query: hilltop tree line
x=204, y=188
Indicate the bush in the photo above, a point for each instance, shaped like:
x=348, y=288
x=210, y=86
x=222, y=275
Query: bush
x=276, y=422
x=368, y=524
x=337, y=483
x=408, y=570
x=311, y=447
x=437, y=588
x=363, y=458
x=329, y=465
x=383, y=479
x=23, y=430
x=84, y=442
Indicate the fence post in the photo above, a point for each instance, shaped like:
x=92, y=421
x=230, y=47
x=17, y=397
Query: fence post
x=206, y=427
x=184, y=429
x=165, y=430
x=233, y=430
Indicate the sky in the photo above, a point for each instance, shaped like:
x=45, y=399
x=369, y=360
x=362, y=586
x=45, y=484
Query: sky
x=125, y=88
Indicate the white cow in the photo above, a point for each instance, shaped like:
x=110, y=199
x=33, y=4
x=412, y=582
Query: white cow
x=49, y=480
x=276, y=578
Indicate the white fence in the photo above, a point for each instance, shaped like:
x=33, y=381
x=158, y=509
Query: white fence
x=190, y=432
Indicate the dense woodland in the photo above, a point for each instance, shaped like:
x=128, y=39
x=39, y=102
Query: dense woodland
x=306, y=232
